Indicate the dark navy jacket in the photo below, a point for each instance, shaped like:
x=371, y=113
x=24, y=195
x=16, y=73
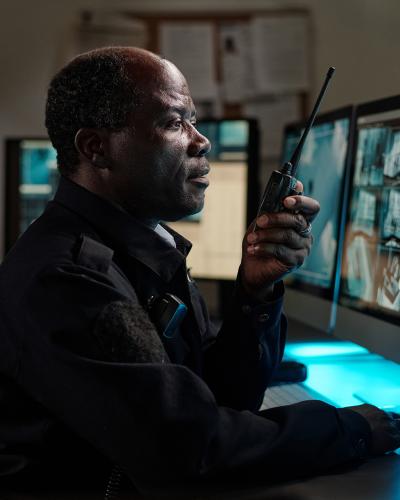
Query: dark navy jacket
x=66, y=412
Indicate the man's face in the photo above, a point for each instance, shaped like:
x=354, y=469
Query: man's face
x=159, y=167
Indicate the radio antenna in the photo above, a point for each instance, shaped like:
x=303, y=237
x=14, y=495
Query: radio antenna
x=290, y=167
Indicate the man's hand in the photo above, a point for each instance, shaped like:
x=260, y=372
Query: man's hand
x=385, y=429
x=277, y=246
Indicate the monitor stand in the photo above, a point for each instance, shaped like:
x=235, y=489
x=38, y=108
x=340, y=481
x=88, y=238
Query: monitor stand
x=316, y=312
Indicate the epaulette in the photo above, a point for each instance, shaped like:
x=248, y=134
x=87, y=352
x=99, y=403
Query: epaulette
x=93, y=254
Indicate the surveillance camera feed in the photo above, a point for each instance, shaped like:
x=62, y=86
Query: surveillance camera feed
x=322, y=170
x=371, y=272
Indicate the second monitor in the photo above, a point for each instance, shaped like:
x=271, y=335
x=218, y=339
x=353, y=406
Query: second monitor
x=323, y=170
x=369, y=311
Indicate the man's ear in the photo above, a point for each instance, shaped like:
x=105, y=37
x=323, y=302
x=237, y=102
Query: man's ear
x=90, y=143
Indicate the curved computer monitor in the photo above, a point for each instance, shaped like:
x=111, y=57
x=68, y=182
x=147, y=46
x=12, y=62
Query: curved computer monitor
x=323, y=169
x=369, y=301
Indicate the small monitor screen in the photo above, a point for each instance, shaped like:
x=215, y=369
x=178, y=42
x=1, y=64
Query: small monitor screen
x=371, y=262
x=217, y=231
x=31, y=181
x=322, y=170
x=38, y=179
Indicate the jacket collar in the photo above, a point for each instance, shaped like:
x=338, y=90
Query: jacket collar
x=123, y=232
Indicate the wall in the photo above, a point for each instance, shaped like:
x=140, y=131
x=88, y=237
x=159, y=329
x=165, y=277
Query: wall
x=359, y=37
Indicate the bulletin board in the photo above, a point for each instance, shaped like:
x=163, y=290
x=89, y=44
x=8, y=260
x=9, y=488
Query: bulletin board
x=254, y=64
x=290, y=27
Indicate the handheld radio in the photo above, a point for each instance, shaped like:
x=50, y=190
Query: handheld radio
x=282, y=182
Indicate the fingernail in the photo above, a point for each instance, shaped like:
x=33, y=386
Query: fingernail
x=290, y=202
x=263, y=220
x=252, y=238
x=251, y=249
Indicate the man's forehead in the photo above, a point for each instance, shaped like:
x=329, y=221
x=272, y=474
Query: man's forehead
x=169, y=89
x=160, y=83
x=170, y=99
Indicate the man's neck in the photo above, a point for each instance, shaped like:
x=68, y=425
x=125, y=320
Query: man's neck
x=94, y=187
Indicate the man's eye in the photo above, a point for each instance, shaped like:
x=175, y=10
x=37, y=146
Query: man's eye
x=179, y=123
x=175, y=124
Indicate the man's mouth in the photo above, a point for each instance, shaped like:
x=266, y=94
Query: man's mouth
x=200, y=177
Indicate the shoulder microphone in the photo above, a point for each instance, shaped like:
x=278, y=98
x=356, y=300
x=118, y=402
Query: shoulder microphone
x=125, y=333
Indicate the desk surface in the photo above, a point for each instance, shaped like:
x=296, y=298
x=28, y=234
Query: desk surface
x=343, y=372
x=377, y=479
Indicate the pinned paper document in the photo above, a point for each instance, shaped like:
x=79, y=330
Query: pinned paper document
x=191, y=47
x=280, y=54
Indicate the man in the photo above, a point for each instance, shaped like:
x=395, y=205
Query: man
x=123, y=123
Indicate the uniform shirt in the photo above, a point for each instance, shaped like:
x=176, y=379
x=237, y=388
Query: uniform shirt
x=189, y=420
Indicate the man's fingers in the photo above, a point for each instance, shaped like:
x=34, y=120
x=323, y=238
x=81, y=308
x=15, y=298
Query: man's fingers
x=385, y=434
x=283, y=220
x=299, y=187
x=289, y=257
x=308, y=206
x=288, y=237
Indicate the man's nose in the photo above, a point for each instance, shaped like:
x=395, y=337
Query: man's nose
x=199, y=145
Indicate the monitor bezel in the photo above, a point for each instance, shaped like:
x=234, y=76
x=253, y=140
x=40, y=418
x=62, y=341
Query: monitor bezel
x=377, y=107
x=330, y=293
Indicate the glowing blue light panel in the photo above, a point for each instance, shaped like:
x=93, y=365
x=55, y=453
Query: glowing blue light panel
x=304, y=350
